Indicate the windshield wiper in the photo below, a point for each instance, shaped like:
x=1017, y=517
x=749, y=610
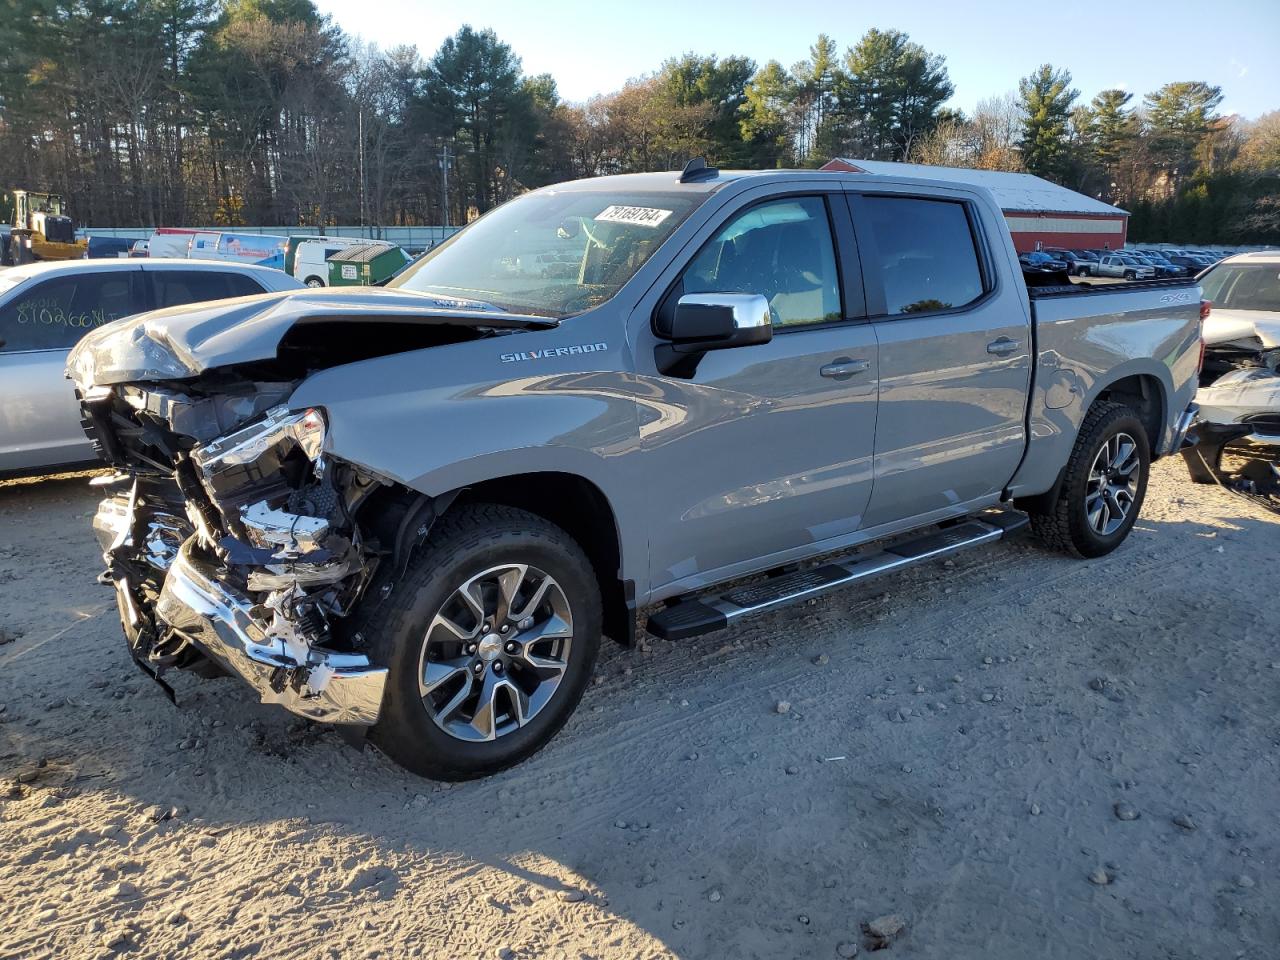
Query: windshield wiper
x=460, y=303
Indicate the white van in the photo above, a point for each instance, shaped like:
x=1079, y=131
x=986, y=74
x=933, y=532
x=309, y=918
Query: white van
x=263, y=249
x=308, y=259
x=170, y=242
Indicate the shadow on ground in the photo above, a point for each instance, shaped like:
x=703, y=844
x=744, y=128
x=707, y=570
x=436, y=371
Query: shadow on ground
x=957, y=743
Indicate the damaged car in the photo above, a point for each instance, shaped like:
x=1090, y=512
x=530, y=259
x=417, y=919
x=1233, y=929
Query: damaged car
x=414, y=511
x=1237, y=430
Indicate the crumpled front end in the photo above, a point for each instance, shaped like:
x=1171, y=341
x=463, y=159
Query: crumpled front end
x=231, y=542
x=234, y=539
x=1239, y=414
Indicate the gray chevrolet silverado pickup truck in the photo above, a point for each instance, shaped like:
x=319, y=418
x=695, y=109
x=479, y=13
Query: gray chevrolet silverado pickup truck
x=414, y=511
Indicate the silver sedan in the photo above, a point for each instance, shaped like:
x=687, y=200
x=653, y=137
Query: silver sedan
x=46, y=307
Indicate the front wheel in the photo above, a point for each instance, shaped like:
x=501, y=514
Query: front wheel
x=490, y=639
x=1103, y=486
x=1129, y=275
x=314, y=282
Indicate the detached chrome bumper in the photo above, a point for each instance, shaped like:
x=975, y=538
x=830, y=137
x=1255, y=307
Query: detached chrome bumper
x=331, y=687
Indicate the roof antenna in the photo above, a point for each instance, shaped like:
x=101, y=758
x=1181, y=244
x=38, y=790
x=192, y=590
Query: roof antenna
x=696, y=170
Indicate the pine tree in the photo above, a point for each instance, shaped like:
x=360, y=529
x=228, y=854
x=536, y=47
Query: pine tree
x=1047, y=98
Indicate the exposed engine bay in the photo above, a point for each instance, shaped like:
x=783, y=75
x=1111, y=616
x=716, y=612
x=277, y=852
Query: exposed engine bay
x=237, y=549
x=235, y=543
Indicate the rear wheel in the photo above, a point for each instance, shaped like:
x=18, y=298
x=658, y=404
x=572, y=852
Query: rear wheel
x=490, y=640
x=314, y=282
x=1103, y=487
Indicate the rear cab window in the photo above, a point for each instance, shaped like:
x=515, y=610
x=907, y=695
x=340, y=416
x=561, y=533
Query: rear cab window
x=923, y=255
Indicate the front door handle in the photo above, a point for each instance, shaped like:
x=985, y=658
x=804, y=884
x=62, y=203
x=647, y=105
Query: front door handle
x=842, y=368
x=1003, y=346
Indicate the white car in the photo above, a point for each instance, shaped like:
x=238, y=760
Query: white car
x=1243, y=290
x=45, y=308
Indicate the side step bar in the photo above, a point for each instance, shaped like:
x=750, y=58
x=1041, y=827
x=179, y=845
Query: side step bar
x=691, y=618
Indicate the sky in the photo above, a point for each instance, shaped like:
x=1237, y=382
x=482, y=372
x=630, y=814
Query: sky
x=595, y=47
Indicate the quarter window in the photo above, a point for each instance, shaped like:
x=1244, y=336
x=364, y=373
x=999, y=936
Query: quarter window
x=781, y=250
x=924, y=252
x=54, y=314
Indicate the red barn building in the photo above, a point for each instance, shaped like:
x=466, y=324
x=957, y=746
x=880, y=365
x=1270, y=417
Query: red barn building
x=1039, y=213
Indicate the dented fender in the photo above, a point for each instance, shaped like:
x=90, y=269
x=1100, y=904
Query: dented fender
x=440, y=419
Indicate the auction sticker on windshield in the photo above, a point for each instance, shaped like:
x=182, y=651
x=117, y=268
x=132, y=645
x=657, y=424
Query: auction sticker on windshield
x=641, y=216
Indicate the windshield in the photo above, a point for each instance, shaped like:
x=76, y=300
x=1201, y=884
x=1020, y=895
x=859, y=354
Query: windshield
x=1243, y=286
x=551, y=253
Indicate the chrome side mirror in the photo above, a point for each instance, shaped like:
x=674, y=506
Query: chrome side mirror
x=718, y=321
x=710, y=321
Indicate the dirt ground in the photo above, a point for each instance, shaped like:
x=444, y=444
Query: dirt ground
x=1017, y=754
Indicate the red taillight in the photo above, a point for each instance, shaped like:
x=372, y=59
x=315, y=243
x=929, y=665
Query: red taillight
x=1205, y=306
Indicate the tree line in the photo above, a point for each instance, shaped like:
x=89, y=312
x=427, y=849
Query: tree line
x=265, y=112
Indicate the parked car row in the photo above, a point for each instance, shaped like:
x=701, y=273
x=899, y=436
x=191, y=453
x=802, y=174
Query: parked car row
x=1126, y=264
x=304, y=257
x=1060, y=264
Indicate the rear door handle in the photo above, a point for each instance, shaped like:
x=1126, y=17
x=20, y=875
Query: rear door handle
x=842, y=368
x=1003, y=346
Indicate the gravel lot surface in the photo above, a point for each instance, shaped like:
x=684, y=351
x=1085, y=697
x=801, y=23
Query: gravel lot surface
x=1008, y=755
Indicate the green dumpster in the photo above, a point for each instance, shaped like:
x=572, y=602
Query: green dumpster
x=364, y=265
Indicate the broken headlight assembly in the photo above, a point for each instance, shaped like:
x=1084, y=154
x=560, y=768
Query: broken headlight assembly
x=268, y=482
x=236, y=458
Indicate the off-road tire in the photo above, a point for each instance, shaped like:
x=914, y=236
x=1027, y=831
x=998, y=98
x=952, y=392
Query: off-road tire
x=1063, y=524
x=464, y=542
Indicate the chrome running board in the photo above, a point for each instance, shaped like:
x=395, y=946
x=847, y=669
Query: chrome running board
x=696, y=616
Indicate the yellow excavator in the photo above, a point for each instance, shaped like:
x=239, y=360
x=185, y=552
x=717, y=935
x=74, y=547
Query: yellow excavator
x=41, y=229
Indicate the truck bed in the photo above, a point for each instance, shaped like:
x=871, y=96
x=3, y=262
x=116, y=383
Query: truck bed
x=1136, y=341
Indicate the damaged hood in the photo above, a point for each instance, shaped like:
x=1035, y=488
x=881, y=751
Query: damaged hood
x=1230, y=326
x=180, y=342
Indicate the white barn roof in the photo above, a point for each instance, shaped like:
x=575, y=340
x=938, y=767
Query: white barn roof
x=1015, y=192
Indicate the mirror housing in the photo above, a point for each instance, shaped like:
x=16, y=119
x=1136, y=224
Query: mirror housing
x=710, y=321
x=718, y=321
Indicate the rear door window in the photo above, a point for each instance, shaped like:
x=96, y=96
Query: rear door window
x=55, y=313
x=177, y=287
x=923, y=253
